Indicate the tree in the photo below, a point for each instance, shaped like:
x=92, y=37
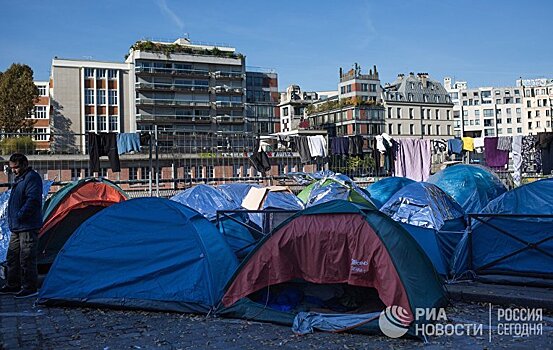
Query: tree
x=17, y=96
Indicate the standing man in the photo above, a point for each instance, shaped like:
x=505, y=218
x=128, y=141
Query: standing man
x=25, y=220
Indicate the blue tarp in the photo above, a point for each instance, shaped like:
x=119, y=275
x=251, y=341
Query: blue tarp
x=382, y=190
x=472, y=186
x=336, y=186
x=491, y=247
x=432, y=217
x=277, y=200
x=4, y=225
x=206, y=199
x=236, y=191
x=147, y=253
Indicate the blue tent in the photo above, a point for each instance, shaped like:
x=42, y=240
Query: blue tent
x=432, y=217
x=206, y=199
x=514, y=247
x=236, y=191
x=472, y=186
x=333, y=187
x=275, y=200
x=383, y=189
x=147, y=253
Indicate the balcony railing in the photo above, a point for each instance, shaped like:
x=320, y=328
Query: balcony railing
x=227, y=119
x=171, y=102
x=174, y=117
x=173, y=71
x=171, y=87
x=230, y=75
x=227, y=104
x=228, y=90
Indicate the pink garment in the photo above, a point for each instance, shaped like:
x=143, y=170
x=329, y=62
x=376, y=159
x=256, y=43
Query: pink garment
x=413, y=159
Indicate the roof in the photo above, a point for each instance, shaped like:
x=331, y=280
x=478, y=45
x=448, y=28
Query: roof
x=410, y=85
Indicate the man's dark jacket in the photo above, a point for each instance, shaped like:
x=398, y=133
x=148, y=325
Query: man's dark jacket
x=25, y=205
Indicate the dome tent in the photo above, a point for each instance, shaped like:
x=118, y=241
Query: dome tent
x=68, y=208
x=472, y=186
x=145, y=253
x=332, y=187
x=383, y=189
x=432, y=217
x=208, y=200
x=353, y=254
x=512, y=241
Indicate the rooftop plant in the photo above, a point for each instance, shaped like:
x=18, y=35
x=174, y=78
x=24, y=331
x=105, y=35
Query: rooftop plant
x=169, y=49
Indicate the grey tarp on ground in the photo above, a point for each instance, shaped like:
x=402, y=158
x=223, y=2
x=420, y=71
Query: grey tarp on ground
x=306, y=322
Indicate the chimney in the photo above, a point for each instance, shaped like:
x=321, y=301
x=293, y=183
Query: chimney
x=375, y=71
x=341, y=73
x=400, y=76
x=423, y=78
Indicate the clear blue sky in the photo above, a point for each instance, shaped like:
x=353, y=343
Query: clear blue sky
x=483, y=42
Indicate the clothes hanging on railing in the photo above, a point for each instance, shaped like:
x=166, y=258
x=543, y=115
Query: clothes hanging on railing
x=339, y=146
x=413, y=159
x=128, y=142
x=317, y=146
x=516, y=148
x=531, y=156
x=479, y=144
x=504, y=143
x=468, y=144
x=356, y=145
x=545, y=144
x=495, y=158
x=454, y=146
x=104, y=144
x=303, y=149
x=439, y=146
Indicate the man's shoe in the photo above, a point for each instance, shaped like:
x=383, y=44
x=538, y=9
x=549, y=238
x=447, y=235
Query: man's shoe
x=26, y=293
x=9, y=290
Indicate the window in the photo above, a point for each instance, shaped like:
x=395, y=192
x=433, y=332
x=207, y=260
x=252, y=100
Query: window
x=102, y=123
x=517, y=100
x=509, y=120
x=437, y=98
x=342, y=89
x=488, y=113
x=477, y=113
x=471, y=122
x=89, y=96
x=390, y=129
x=411, y=113
x=497, y=92
x=518, y=111
x=498, y=101
x=42, y=90
x=398, y=110
x=508, y=111
x=133, y=173
x=100, y=73
x=40, y=112
x=112, y=96
x=285, y=111
x=465, y=122
x=448, y=115
x=530, y=125
x=348, y=88
x=40, y=134
x=537, y=113
x=372, y=87
x=517, y=92
x=499, y=131
x=438, y=130
x=399, y=129
x=89, y=123
x=389, y=112
x=465, y=113
x=411, y=129
x=529, y=114
x=509, y=130
x=88, y=72
x=498, y=120
x=538, y=124
x=113, y=123
x=112, y=74
x=103, y=172
x=429, y=129
x=437, y=114
x=528, y=104
x=519, y=120
x=519, y=130
x=364, y=87
x=449, y=129
x=101, y=97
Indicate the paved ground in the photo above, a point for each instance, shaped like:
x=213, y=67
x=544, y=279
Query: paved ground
x=23, y=326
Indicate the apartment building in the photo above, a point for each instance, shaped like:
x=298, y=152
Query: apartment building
x=292, y=108
x=262, y=97
x=187, y=87
x=486, y=111
x=537, y=106
x=41, y=117
x=89, y=96
x=417, y=106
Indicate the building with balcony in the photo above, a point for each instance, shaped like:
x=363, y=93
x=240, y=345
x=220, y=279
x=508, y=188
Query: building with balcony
x=89, y=96
x=262, y=112
x=486, y=111
x=292, y=108
x=41, y=117
x=187, y=87
x=537, y=105
x=417, y=106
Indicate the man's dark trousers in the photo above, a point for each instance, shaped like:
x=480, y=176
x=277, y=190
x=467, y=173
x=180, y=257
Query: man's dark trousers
x=22, y=253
